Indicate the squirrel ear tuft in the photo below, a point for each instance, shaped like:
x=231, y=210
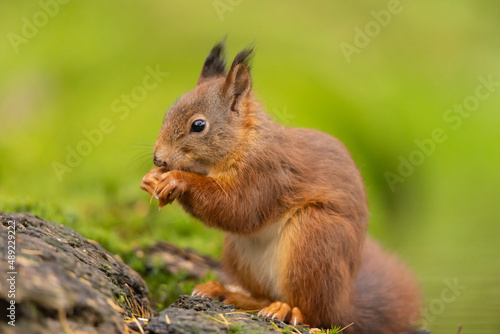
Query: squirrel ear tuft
x=239, y=82
x=215, y=64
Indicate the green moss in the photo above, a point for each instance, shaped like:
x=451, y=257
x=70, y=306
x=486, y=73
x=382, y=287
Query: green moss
x=49, y=211
x=165, y=288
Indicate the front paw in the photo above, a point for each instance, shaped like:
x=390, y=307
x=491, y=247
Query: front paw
x=151, y=179
x=169, y=187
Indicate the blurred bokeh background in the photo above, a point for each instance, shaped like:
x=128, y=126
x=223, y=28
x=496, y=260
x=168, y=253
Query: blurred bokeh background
x=411, y=87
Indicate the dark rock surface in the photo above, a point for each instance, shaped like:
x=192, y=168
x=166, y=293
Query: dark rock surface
x=175, y=259
x=64, y=283
x=204, y=315
x=193, y=314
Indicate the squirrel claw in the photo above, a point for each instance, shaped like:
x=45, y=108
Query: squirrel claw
x=297, y=317
x=283, y=312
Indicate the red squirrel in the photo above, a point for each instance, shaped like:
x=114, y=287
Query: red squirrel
x=292, y=205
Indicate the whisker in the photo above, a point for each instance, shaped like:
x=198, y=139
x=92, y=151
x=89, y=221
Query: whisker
x=143, y=154
x=143, y=160
x=141, y=146
x=141, y=157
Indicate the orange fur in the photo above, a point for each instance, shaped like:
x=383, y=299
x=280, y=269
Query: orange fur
x=292, y=204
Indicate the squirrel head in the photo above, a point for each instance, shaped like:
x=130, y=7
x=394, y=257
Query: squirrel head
x=207, y=124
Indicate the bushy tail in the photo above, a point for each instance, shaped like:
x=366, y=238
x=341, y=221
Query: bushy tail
x=386, y=298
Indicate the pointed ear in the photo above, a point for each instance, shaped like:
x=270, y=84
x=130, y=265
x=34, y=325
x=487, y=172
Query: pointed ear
x=214, y=65
x=238, y=82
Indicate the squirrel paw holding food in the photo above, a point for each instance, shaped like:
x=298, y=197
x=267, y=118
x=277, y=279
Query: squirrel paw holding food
x=163, y=184
x=291, y=203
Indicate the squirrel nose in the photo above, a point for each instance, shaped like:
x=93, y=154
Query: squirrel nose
x=158, y=162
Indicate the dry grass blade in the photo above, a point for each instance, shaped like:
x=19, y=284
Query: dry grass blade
x=224, y=318
x=352, y=323
x=215, y=319
x=64, y=321
x=277, y=328
x=138, y=310
x=129, y=305
x=295, y=329
x=31, y=252
x=114, y=306
x=139, y=325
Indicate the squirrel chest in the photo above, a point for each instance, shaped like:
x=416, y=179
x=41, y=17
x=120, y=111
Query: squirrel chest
x=259, y=257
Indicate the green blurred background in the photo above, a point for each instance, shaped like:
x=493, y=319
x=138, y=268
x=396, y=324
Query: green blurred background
x=61, y=78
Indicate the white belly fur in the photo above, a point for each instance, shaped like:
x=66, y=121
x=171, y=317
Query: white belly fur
x=260, y=252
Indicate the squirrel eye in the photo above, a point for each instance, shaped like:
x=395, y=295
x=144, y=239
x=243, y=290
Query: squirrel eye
x=198, y=125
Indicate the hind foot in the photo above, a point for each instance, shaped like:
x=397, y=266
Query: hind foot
x=210, y=289
x=283, y=312
x=239, y=300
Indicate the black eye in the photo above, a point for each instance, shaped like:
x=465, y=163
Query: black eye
x=198, y=125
